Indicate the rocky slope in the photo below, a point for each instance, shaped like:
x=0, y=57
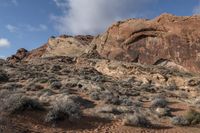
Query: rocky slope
x=135, y=75
x=65, y=94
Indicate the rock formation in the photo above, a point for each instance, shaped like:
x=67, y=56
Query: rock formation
x=20, y=55
x=166, y=40
x=68, y=46
x=122, y=77
x=63, y=45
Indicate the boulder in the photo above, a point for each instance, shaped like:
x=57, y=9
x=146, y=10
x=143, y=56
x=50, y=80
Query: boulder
x=20, y=55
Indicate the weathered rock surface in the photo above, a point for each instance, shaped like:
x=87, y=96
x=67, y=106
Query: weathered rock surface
x=68, y=46
x=166, y=40
x=20, y=55
x=64, y=45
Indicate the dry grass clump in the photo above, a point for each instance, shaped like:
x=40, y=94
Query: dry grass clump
x=64, y=109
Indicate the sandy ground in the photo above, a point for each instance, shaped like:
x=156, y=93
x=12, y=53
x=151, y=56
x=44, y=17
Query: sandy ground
x=28, y=123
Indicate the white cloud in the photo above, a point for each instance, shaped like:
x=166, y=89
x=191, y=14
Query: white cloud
x=93, y=16
x=11, y=28
x=4, y=43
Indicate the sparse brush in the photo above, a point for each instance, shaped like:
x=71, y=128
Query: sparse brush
x=4, y=94
x=193, y=117
x=56, y=85
x=179, y=121
x=64, y=109
x=17, y=103
x=3, y=76
x=95, y=95
x=137, y=120
x=159, y=102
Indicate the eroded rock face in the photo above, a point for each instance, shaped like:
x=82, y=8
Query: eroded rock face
x=37, y=53
x=20, y=55
x=64, y=45
x=165, y=38
x=68, y=46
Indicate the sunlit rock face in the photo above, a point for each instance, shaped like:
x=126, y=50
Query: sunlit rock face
x=68, y=46
x=165, y=40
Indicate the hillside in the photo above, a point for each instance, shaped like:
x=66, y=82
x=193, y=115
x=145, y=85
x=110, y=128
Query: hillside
x=139, y=76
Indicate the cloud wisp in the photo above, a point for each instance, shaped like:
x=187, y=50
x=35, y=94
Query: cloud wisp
x=15, y=2
x=2, y=57
x=31, y=28
x=26, y=27
x=94, y=16
x=11, y=28
x=4, y=43
x=196, y=9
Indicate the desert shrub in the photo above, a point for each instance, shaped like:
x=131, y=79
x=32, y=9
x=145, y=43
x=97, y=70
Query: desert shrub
x=159, y=102
x=98, y=78
x=112, y=100
x=52, y=79
x=197, y=102
x=109, y=98
x=56, y=85
x=163, y=111
x=4, y=94
x=179, y=121
x=171, y=87
x=126, y=101
x=43, y=80
x=84, y=103
x=64, y=109
x=17, y=103
x=3, y=76
x=2, y=62
x=108, y=109
x=12, y=86
x=137, y=120
x=193, y=82
x=47, y=92
x=34, y=87
x=183, y=94
x=193, y=117
x=94, y=95
x=55, y=68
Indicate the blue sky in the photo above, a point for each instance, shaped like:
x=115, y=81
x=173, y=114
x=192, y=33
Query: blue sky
x=29, y=23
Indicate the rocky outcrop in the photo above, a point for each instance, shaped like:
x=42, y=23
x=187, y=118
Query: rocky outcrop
x=20, y=55
x=68, y=46
x=166, y=40
x=63, y=45
x=37, y=53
